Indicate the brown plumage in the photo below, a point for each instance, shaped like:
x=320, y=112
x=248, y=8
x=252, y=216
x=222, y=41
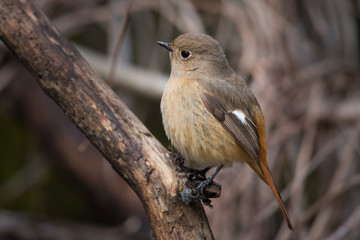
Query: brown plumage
x=208, y=112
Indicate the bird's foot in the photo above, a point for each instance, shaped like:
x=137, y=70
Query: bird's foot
x=197, y=187
x=194, y=173
x=198, y=190
x=201, y=189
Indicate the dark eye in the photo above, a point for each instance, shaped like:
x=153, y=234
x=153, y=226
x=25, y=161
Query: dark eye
x=185, y=54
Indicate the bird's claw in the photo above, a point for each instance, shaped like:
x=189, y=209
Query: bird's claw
x=201, y=188
x=196, y=190
x=198, y=187
x=194, y=173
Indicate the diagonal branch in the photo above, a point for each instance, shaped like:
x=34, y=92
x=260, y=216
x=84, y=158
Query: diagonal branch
x=95, y=109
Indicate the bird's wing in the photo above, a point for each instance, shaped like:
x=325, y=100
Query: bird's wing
x=239, y=123
x=242, y=125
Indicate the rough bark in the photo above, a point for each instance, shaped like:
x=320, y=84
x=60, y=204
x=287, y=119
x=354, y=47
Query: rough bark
x=95, y=109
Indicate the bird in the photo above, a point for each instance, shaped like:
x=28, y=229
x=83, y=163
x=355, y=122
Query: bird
x=209, y=114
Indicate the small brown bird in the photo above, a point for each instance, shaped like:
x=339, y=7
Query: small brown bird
x=209, y=114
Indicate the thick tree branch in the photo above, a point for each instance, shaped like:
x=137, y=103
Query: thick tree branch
x=95, y=109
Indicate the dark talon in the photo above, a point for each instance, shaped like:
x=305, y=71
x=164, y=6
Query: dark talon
x=198, y=188
x=207, y=183
x=194, y=173
x=201, y=188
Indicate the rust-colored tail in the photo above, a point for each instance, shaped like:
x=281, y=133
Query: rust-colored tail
x=270, y=181
x=266, y=176
x=263, y=170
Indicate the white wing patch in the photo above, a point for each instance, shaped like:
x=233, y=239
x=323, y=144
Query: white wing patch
x=240, y=115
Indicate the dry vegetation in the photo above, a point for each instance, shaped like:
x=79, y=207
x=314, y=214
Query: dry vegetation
x=301, y=59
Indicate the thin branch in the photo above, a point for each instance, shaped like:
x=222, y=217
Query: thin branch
x=119, y=42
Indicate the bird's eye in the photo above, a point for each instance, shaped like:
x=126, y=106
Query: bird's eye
x=185, y=54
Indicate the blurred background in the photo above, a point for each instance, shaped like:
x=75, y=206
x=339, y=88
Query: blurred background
x=300, y=58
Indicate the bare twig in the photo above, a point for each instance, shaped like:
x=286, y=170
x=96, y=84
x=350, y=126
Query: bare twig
x=119, y=43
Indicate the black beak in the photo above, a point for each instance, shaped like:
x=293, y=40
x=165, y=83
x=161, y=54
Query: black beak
x=165, y=45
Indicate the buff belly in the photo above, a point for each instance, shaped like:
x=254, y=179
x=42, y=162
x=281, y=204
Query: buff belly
x=193, y=131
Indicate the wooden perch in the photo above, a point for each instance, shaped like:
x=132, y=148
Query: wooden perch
x=95, y=109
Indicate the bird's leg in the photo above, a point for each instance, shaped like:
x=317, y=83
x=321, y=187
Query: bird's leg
x=198, y=187
x=201, y=187
x=194, y=173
